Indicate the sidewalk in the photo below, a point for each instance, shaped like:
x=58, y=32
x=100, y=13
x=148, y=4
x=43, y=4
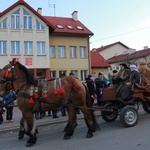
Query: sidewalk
x=10, y=127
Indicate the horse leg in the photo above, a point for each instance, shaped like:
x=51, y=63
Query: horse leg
x=71, y=125
x=21, y=130
x=90, y=122
x=29, y=128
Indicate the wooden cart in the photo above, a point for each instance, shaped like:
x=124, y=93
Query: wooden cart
x=127, y=110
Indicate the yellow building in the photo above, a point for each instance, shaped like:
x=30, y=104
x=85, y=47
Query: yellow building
x=69, y=47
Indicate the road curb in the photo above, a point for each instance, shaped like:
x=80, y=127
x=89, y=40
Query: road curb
x=41, y=124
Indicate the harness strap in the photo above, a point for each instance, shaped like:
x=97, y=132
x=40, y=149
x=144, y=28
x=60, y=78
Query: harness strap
x=55, y=84
x=60, y=82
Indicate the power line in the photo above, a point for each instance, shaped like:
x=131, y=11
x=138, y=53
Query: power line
x=121, y=34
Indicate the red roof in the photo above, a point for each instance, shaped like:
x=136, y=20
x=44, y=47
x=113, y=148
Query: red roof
x=135, y=55
x=52, y=22
x=110, y=45
x=97, y=60
x=64, y=22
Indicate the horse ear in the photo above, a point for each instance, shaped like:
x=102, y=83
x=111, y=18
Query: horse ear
x=13, y=62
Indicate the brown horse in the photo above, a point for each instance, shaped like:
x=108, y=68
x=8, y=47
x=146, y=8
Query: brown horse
x=48, y=95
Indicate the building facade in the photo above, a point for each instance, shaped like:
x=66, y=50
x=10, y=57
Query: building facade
x=47, y=46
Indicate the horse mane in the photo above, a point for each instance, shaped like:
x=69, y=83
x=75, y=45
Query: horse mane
x=29, y=76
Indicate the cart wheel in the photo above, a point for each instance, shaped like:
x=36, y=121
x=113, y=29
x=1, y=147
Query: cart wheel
x=129, y=116
x=109, y=116
x=146, y=106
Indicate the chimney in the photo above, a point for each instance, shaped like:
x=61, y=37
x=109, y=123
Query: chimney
x=75, y=15
x=145, y=47
x=39, y=10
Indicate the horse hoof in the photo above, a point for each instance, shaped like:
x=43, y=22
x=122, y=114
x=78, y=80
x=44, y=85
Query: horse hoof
x=66, y=137
x=20, y=137
x=89, y=135
x=29, y=144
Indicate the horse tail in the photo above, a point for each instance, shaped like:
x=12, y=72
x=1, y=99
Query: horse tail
x=89, y=105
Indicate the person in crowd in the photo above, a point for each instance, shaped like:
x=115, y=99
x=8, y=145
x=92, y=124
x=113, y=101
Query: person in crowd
x=101, y=82
x=114, y=82
x=122, y=77
x=1, y=109
x=54, y=113
x=91, y=88
x=49, y=112
x=123, y=74
x=125, y=92
x=9, y=100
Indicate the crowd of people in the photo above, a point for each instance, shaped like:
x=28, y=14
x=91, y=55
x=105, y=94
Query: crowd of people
x=122, y=80
x=8, y=101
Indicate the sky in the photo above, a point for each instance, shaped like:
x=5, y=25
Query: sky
x=127, y=21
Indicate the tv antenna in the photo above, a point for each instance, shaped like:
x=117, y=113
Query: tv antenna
x=52, y=5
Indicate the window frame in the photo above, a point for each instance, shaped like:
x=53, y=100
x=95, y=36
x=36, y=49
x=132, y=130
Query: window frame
x=3, y=47
x=73, y=52
x=28, y=48
x=61, y=52
x=39, y=26
x=15, y=46
x=83, y=52
x=52, y=52
x=15, y=19
x=27, y=20
x=3, y=24
x=83, y=75
x=41, y=48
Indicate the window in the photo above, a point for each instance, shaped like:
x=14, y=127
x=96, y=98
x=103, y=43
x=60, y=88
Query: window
x=15, y=47
x=61, y=52
x=28, y=48
x=41, y=48
x=39, y=26
x=73, y=53
x=79, y=28
x=82, y=52
x=83, y=74
x=27, y=20
x=3, y=24
x=59, y=26
x=75, y=72
x=15, y=20
x=53, y=74
x=3, y=47
x=52, y=51
x=70, y=27
x=62, y=72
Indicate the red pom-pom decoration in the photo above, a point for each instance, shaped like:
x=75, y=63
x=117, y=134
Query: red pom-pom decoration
x=45, y=96
x=62, y=91
x=31, y=101
x=6, y=73
x=10, y=87
x=55, y=92
x=36, y=95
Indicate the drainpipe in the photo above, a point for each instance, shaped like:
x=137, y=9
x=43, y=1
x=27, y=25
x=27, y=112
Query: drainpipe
x=89, y=54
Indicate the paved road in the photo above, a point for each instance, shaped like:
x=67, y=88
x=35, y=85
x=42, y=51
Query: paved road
x=10, y=127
